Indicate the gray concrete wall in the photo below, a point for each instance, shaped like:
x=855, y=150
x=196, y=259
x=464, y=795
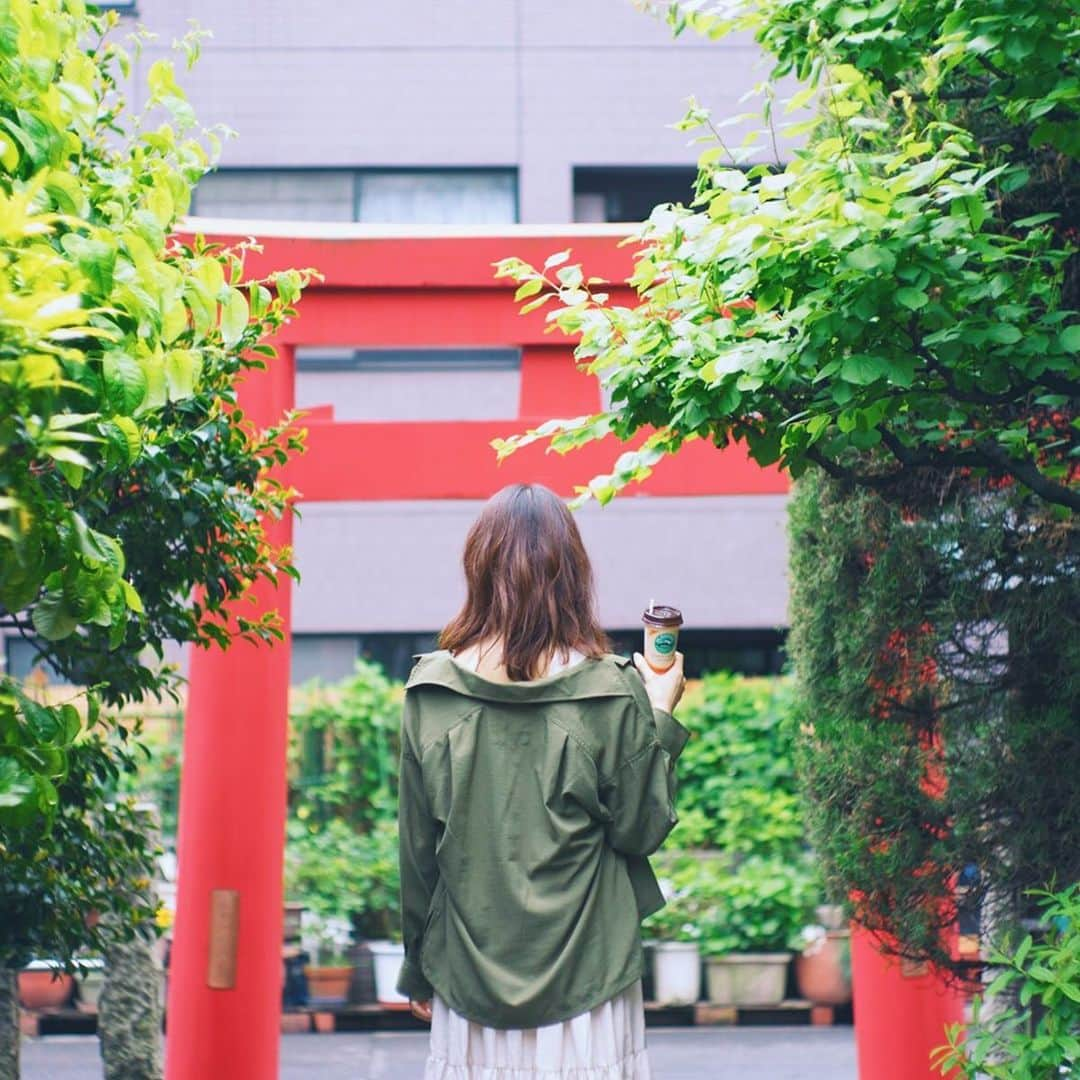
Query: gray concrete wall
x=721, y=559
x=542, y=85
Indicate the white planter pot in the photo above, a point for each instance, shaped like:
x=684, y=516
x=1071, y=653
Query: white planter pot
x=676, y=972
x=747, y=978
x=90, y=981
x=387, y=958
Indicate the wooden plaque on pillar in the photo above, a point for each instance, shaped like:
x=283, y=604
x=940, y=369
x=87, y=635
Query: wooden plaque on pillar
x=224, y=938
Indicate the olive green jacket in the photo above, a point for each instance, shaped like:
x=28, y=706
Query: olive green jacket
x=526, y=814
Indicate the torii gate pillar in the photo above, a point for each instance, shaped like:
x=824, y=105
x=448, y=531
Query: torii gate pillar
x=226, y=973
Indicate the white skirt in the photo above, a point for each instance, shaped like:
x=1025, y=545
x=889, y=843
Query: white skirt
x=605, y=1043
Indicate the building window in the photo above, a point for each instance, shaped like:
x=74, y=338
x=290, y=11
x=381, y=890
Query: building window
x=457, y=197
x=375, y=196
x=330, y=657
x=745, y=652
x=276, y=194
x=22, y=662
x=327, y=657
x=629, y=194
x=410, y=384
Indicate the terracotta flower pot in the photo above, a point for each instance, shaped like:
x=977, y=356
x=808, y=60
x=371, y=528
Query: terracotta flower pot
x=328, y=985
x=39, y=989
x=821, y=972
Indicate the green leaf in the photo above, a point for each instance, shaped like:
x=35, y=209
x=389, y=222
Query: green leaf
x=260, y=300
x=862, y=369
x=1004, y=333
x=529, y=288
x=1069, y=338
x=131, y=596
x=182, y=370
x=16, y=784
x=287, y=284
x=539, y=302
x=870, y=257
x=130, y=435
x=95, y=258
x=125, y=382
x=51, y=617
x=234, y=317
x=71, y=723
x=42, y=721
x=90, y=543
x=911, y=298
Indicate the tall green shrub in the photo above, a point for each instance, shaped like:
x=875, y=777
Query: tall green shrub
x=938, y=662
x=738, y=790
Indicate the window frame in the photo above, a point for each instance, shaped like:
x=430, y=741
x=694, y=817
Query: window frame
x=355, y=172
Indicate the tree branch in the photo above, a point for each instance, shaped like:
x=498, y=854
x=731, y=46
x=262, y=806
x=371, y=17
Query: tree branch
x=1026, y=471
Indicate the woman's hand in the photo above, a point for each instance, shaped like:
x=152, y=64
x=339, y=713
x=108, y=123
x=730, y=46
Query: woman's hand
x=421, y=1010
x=664, y=688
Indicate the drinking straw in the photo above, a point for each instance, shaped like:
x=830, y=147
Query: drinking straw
x=652, y=604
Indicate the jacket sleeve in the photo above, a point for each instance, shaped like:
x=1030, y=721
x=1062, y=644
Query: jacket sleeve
x=416, y=851
x=640, y=793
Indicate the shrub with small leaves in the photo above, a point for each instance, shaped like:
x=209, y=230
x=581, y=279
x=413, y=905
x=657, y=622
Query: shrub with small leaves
x=1033, y=1033
x=737, y=774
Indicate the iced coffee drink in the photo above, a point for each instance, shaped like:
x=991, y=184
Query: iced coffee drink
x=661, y=635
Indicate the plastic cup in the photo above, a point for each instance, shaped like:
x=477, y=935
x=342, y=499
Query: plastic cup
x=662, y=624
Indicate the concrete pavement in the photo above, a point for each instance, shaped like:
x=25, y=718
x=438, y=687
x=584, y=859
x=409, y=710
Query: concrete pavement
x=765, y=1053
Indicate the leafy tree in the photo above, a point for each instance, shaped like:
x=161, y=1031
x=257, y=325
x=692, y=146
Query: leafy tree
x=899, y=296
x=890, y=314
x=128, y=475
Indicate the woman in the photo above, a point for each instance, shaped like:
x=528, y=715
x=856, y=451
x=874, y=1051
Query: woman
x=536, y=775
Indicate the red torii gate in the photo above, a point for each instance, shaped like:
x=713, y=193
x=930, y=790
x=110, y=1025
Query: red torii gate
x=398, y=288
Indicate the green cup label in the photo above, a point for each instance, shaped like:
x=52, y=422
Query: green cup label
x=664, y=643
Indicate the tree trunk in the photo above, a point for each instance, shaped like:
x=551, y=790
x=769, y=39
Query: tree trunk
x=129, y=1016
x=10, y=1035
x=129, y=1013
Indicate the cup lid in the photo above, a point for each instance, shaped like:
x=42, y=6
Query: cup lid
x=662, y=615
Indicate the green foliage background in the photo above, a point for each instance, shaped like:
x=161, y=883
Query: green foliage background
x=129, y=477
x=341, y=858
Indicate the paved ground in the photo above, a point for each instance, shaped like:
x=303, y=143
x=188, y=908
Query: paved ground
x=676, y=1053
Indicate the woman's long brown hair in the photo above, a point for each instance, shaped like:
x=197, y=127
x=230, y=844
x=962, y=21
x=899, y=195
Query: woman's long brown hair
x=530, y=584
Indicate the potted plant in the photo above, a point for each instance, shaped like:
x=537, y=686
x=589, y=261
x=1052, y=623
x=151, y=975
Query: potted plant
x=674, y=935
x=751, y=921
x=378, y=917
x=89, y=982
x=823, y=965
x=328, y=976
x=44, y=984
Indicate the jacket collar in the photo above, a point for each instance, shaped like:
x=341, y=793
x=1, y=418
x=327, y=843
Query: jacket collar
x=603, y=677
